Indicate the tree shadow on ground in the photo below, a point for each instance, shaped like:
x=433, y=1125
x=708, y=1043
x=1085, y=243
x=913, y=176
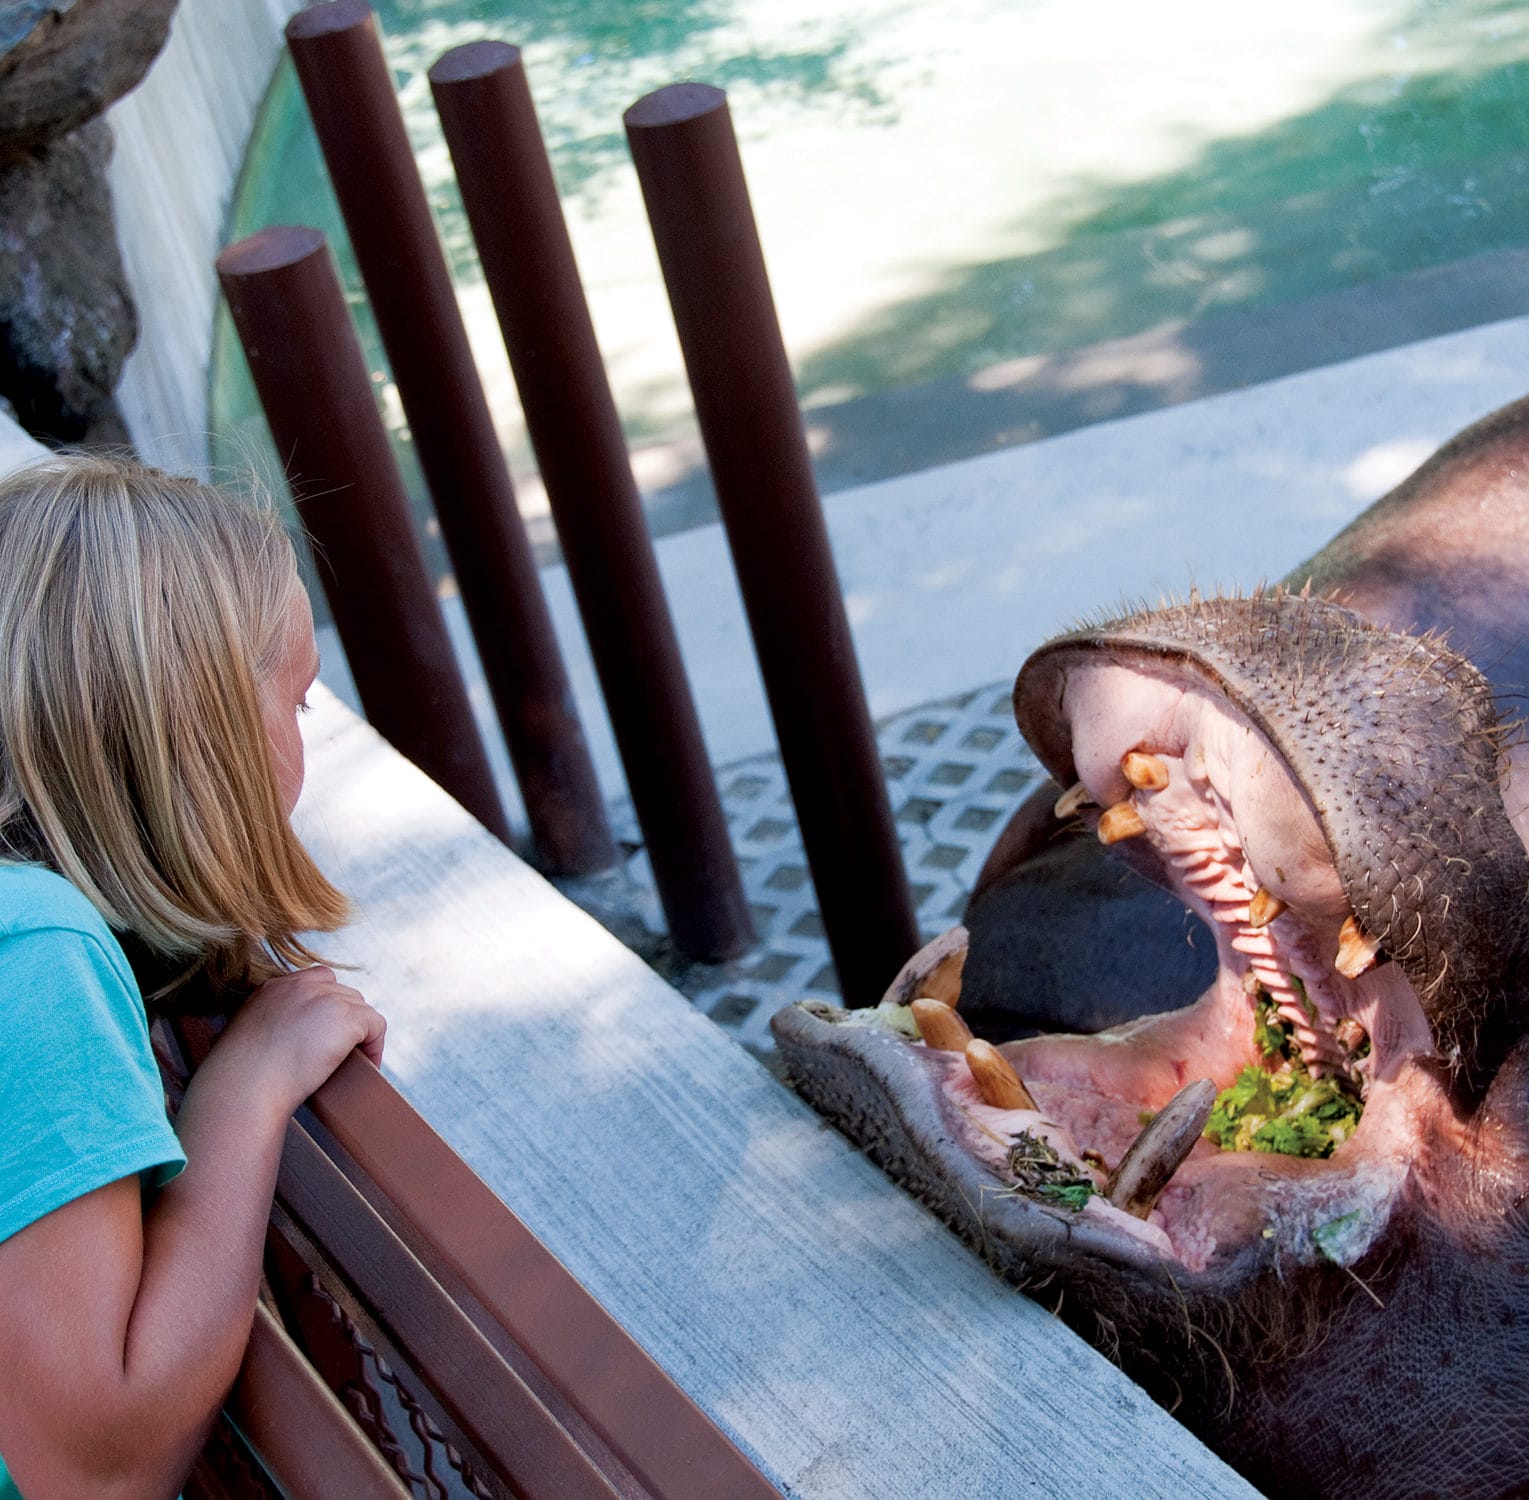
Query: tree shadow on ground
x=587, y=62
x=1363, y=224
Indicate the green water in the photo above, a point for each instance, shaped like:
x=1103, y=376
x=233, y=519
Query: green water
x=942, y=189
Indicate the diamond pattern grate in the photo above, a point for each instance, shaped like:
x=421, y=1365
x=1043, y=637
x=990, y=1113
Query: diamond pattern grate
x=955, y=772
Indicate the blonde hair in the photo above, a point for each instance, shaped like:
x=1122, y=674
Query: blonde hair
x=139, y=613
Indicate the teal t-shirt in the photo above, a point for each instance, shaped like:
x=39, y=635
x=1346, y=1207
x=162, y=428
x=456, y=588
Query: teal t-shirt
x=81, y=1103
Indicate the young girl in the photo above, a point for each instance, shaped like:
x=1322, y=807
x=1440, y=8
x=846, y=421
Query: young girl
x=157, y=648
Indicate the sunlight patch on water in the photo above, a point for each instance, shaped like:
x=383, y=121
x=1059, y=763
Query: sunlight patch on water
x=941, y=190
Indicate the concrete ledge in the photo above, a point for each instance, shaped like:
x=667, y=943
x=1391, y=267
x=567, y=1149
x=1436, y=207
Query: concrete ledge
x=834, y=1329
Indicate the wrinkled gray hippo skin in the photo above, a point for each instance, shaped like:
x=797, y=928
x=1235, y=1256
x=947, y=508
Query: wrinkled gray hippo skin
x=1357, y=1326
x=1446, y=550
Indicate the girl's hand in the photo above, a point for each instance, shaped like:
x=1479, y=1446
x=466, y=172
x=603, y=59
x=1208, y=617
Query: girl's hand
x=296, y=1029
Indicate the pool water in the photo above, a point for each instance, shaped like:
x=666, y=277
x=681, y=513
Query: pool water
x=945, y=189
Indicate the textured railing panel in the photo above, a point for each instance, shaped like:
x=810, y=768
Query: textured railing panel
x=467, y=1235
x=302, y=1435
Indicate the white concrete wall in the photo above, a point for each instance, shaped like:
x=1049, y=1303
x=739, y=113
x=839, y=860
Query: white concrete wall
x=181, y=137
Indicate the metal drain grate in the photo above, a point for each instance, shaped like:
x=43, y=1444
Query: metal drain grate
x=955, y=772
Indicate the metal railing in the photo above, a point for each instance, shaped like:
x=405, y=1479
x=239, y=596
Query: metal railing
x=427, y=1342
x=692, y=181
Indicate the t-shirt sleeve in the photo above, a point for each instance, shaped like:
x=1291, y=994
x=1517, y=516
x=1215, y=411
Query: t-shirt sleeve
x=81, y=1102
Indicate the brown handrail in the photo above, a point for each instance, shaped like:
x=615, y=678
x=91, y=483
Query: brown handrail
x=497, y=1417
x=466, y=1235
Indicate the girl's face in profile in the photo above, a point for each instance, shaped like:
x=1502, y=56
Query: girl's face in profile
x=284, y=695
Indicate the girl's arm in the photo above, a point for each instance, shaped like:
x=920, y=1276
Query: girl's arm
x=122, y=1328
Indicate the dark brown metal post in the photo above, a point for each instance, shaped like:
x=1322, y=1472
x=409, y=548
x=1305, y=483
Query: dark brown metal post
x=692, y=182
x=312, y=380
x=511, y=200
x=349, y=89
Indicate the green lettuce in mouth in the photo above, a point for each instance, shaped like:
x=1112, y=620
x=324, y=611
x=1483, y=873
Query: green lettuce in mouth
x=1285, y=1110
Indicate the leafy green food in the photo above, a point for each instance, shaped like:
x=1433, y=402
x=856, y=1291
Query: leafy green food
x=1288, y=1112
x=1269, y=1034
x=1039, y=1172
x=1069, y=1194
x=1329, y=1237
x=898, y=1018
x=1284, y=1109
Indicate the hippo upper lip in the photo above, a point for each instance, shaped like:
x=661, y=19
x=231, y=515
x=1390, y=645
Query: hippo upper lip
x=1397, y=743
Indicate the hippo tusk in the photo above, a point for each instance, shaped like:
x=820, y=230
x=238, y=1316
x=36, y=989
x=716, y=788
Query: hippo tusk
x=941, y=1027
x=1356, y=952
x=1147, y=773
x=1159, y=1151
x=1076, y=796
x=1264, y=907
x=1119, y=822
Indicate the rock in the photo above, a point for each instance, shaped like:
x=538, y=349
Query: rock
x=75, y=59
x=66, y=315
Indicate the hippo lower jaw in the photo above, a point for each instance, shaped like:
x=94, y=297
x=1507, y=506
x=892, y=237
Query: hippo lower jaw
x=1168, y=763
x=920, y=1112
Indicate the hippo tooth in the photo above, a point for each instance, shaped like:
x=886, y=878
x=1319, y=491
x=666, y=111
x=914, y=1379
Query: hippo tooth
x=995, y=1077
x=1350, y=1034
x=1147, y=773
x=943, y=982
x=1159, y=1151
x=1264, y=907
x=940, y=1026
x=1121, y=821
x=1356, y=952
x=1071, y=800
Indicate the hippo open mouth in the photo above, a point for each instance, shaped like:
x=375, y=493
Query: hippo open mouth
x=1327, y=796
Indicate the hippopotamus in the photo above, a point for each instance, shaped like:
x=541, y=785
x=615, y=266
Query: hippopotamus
x=1286, y=1186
